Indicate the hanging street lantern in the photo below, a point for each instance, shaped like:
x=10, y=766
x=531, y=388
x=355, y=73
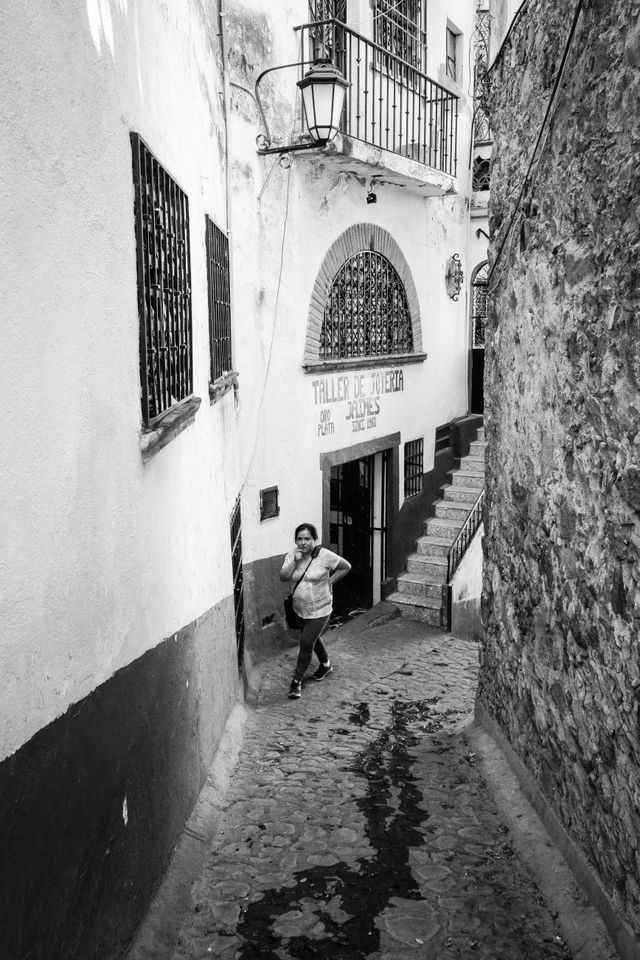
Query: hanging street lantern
x=323, y=90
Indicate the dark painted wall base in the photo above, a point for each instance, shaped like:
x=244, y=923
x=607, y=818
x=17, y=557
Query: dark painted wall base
x=92, y=806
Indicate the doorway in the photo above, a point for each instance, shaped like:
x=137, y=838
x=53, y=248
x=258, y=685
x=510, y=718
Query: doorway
x=478, y=325
x=358, y=528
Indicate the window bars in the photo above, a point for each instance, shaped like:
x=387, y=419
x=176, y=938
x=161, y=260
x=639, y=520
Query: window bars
x=481, y=173
x=235, y=530
x=479, y=305
x=366, y=313
x=164, y=284
x=480, y=43
x=219, y=299
x=400, y=28
x=413, y=467
x=269, y=503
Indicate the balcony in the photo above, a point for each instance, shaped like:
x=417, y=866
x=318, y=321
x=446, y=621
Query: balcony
x=395, y=117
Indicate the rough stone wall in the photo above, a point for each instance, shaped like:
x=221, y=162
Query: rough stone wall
x=561, y=585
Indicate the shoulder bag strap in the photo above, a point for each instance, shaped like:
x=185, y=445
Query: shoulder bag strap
x=305, y=571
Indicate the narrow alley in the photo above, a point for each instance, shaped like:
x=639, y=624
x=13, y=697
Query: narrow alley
x=359, y=822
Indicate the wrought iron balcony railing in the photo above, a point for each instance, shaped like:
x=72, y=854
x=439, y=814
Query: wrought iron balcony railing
x=391, y=103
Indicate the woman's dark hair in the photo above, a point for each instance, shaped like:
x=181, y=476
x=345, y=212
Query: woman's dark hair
x=306, y=526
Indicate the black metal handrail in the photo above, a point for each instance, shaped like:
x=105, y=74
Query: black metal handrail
x=390, y=104
x=465, y=536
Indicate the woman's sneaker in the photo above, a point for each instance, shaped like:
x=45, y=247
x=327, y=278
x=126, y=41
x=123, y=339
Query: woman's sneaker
x=322, y=671
x=295, y=690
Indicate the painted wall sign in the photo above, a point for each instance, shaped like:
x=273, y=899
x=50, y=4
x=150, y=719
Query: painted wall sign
x=359, y=393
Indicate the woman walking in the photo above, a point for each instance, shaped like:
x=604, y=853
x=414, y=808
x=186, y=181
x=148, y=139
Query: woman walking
x=314, y=570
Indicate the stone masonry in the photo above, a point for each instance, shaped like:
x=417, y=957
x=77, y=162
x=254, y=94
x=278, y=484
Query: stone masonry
x=561, y=597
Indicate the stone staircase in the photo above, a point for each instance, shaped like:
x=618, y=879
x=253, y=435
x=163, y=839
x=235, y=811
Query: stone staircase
x=420, y=594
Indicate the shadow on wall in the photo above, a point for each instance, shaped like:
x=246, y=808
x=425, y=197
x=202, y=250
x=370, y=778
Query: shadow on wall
x=466, y=591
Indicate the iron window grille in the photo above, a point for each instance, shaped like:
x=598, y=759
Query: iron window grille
x=480, y=42
x=164, y=284
x=235, y=530
x=481, y=173
x=219, y=287
x=269, y=503
x=366, y=313
x=401, y=28
x=479, y=306
x=413, y=467
x=443, y=437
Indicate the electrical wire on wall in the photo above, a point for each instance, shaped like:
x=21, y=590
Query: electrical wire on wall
x=530, y=176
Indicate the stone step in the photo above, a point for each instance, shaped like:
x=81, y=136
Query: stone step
x=433, y=569
x=432, y=587
x=471, y=464
x=462, y=494
x=452, y=510
x=433, y=546
x=414, y=586
x=481, y=434
x=478, y=447
x=414, y=608
x=442, y=527
x=463, y=478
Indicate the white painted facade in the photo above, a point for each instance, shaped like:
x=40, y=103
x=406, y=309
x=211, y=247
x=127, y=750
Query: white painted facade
x=102, y=556
x=300, y=211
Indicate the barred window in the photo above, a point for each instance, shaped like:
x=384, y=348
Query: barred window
x=164, y=284
x=219, y=300
x=413, y=467
x=479, y=304
x=366, y=313
x=481, y=173
x=400, y=27
x=269, y=503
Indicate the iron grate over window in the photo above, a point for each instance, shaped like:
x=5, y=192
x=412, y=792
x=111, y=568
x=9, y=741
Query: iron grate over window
x=269, y=503
x=400, y=27
x=164, y=284
x=413, y=467
x=219, y=287
x=443, y=437
x=481, y=173
x=366, y=313
x=479, y=305
x=235, y=530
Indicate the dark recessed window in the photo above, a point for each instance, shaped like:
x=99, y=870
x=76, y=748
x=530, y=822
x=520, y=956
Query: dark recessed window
x=269, y=503
x=443, y=437
x=413, y=467
x=366, y=313
x=219, y=300
x=452, y=54
x=164, y=285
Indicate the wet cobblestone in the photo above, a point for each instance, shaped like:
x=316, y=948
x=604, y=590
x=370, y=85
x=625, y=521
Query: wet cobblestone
x=358, y=824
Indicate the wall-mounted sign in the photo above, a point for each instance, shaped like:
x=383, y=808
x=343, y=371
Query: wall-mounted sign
x=359, y=396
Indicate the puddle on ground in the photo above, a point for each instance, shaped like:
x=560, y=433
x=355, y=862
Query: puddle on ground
x=391, y=810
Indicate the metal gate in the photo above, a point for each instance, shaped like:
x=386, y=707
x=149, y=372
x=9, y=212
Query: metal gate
x=357, y=528
x=235, y=529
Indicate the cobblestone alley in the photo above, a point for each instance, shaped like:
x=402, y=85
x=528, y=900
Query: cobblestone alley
x=358, y=822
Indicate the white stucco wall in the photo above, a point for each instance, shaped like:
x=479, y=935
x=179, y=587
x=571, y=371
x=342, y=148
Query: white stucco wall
x=101, y=557
x=301, y=211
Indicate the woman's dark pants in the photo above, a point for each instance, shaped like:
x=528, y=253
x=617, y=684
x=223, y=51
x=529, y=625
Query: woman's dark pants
x=310, y=641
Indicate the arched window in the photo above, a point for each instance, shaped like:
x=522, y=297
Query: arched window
x=479, y=304
x=366, y=312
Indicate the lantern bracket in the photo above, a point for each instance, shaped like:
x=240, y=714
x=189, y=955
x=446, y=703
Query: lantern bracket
x=263, y=140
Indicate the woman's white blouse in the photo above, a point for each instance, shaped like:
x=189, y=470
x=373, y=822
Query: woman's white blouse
x=313, y=597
